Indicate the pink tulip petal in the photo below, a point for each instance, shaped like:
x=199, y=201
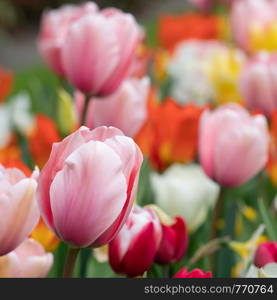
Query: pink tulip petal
x=88, y=193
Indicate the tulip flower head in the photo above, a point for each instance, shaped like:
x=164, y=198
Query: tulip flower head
x=133, y=251
x=19, y=212
x=233, y=145
x=258, y=83
x=174, y=242
x=254, y=24
x=28, y=260
x=266, y=253
x=87, y=187
x=125, y=109
x=185, y=190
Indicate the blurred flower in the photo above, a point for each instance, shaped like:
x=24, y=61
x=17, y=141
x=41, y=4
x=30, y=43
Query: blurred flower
x=184, y=190
x=125, y=109
x=266, y=253
x=204, y=71
x=170, y=134
x=11, y=156
x=268, y=271
x=45, y=237
x=40, y=145
x=67, y=117
x=254, y=24
x=87, y=187
x=223, y=68
x=246, y=251
x=258, y=83
x=28, y=260
x=15, y=114
x=272, y=162
x=174, y=29
x=133, y=250
x=54, y=29
x=174, y=242
x=6, y=81
x=19, y=210
x=98, y=51
x=160, y=64
x=233, y=145
x=195, y=273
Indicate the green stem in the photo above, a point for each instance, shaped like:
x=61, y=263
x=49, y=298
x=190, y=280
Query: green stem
x=85, y=109
x=72, y=255
x=217, y=214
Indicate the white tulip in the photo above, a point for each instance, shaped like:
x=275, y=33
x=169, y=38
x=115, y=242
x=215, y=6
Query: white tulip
x=185, y=190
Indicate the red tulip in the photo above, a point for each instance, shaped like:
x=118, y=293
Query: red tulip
x=266, y=253
x=133, y=251
x=174, y=242
x=195, y=273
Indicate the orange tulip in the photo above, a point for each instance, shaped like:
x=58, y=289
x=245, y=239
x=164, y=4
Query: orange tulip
x=45, y=133
x=45, y=237
x=170, y=134
x=173, y=29
x=6, y=80
x=11, y=157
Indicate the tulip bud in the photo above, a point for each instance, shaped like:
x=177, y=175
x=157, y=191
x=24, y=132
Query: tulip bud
x=233, y=145
x=67, y=118
x=133, y=251
x=258, y=83
x=196, y=273
x=185, y=190
x=29, y=260
x=19, y=211
x=174, y=242
x=124, y=109
x=266, y=253
x=87, y=187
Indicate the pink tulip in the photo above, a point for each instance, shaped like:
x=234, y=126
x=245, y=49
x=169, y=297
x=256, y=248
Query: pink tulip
x=246, y=15
x=259, y=83
x=174, y=242
x=233, y=145
x=266, y=253
x=99, y=49
x=19, y=211
x=88, y=185
x=54, y=28
x=133, y=251
x=29, y=260
x=125, y=109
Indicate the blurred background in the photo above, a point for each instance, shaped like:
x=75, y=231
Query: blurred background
x=19, y=24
